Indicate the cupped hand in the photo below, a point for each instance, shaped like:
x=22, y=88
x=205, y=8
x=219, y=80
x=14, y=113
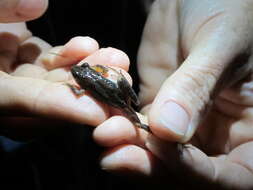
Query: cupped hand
x=33, y=77
x=196, y=88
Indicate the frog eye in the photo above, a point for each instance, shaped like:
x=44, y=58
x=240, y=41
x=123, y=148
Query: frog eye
x=85, y=64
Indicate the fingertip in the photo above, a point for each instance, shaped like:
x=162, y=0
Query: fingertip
x=119, y=56
x=118, y=130
x=113, y=131
x=127, y=159
x=110, y=57
x=169, y=121
x=80, y=47
x=31, y=9
x=72, y=52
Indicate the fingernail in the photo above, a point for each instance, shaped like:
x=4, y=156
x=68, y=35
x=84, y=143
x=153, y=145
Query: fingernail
x=174, y=117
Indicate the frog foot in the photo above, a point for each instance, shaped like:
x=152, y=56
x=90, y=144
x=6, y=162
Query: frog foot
x=75, y=89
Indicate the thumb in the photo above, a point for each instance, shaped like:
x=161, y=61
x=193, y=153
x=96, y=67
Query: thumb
x=21, y=10
x=184, y=97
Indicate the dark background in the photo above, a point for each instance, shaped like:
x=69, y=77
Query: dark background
x=69, y=159
x=115, y=23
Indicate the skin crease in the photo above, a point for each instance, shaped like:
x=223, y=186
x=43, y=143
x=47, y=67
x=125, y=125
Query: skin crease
x=28, y=86
x=204, y=50
x=24, y=84
x=221, y=147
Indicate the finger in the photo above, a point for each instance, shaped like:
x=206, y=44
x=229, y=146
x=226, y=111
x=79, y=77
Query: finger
x=186, y=96
x=111, y=57
x=114, y=58
x=11, y=35
x=191, y=162
x=30, y=49
x=131, y=159
x=118, y=130
x=74, y=51
x=159, y=55
x=8, y=51
x=26, y=96
x=30, y=70
x=19, y=10
x=241, y=156
x=19, y=30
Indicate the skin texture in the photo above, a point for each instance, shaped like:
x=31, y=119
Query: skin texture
x=30, y=68
x=200, y=42
x=200, y=54
x=21, y=10
x=26, y=96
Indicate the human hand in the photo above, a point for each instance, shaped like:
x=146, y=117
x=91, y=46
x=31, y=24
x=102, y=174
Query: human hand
x=196, y=77
x=21, y=10
x=33, y=96
x=32, y=83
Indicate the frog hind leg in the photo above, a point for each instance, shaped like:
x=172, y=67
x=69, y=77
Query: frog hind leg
x=128, y=91
x=131, y=114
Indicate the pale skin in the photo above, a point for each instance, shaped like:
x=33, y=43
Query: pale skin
x=198, y=52
x=211, y=37
x=40, y=91
x=33, y=77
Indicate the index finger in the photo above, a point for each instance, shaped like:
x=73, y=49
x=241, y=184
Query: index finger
x=72, y=52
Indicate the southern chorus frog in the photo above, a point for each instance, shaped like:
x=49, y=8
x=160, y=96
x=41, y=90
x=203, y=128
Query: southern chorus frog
x=115, y=92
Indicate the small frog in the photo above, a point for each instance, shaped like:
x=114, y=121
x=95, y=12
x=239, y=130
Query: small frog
x=115, y=92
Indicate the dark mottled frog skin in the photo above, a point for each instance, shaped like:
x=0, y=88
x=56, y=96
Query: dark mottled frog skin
x=118, y=94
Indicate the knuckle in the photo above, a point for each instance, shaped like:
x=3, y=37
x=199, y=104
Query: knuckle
x=195, y=88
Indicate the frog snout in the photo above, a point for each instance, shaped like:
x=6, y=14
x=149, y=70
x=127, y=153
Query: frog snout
x=75, y=70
